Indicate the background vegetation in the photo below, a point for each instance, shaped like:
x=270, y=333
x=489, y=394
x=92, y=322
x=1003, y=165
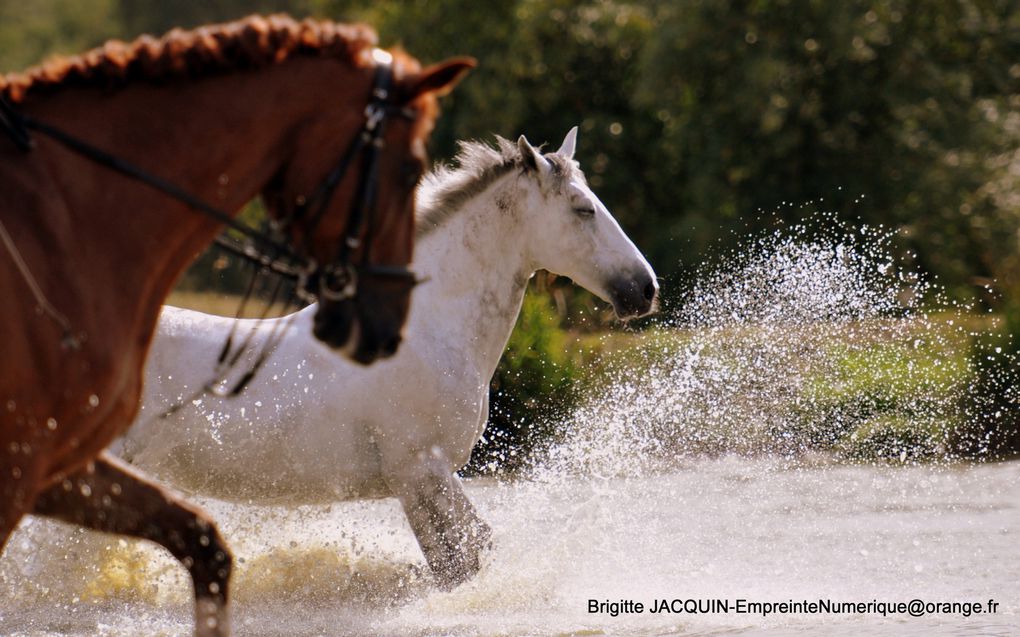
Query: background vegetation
x=701, y=120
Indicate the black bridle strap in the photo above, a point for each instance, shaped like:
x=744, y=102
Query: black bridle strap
x=370, y=137
x=375, y=114
x=324, y=193
x=364, y=202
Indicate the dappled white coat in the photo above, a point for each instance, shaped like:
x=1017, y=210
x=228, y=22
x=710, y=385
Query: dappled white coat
x=313, y=427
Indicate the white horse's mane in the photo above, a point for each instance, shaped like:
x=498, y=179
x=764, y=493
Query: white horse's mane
x=477, y=164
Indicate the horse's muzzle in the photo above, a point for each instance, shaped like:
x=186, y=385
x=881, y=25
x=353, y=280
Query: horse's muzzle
x=367, y=327
x=635, y=296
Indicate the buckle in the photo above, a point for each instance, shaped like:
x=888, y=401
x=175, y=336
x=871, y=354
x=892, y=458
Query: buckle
x=338, y=282
x=374, y=113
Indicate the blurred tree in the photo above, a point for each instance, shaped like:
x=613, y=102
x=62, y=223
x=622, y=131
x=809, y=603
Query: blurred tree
x=32, y=31
x=159, y=16
x=769, y=104
x=434, y=30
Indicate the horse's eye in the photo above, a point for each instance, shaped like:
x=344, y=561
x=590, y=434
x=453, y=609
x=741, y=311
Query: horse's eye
x=584, y=211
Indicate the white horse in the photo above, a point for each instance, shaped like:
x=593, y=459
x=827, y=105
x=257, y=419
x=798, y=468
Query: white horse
x=314, y=428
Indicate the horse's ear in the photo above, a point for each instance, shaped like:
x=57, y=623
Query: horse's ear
x=533, y=159
x=442, y=77
x=569, y=144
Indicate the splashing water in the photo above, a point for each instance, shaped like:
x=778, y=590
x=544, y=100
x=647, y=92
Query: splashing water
x=807, y=340
x=708, y=465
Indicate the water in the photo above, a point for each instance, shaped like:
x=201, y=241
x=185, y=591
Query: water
x=728, y=528
x=809, y=339
x=787, y=436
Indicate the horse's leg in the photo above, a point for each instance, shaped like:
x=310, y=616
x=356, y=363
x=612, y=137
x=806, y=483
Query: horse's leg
x=18, y=479
x=24, y=458
x=445, y=523
x=109, y=496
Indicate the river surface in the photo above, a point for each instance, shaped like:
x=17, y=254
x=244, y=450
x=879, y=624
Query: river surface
x=728, y=529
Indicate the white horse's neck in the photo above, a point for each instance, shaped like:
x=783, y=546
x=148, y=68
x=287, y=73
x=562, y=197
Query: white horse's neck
x=477, y=270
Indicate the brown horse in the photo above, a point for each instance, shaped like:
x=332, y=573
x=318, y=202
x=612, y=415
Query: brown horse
x=264, y=105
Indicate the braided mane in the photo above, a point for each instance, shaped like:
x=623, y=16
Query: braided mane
x=249, y=43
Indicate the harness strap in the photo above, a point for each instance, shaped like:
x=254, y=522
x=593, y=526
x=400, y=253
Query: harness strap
x=375, y=127
x=338, y=280
x=370, y=136
x=324, y=193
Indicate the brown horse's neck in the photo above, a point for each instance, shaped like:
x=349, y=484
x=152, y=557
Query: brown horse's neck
x=221, y=138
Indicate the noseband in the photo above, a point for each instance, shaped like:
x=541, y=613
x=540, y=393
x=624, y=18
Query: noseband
x=335, y=281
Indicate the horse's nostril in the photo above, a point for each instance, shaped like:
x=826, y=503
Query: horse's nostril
x=650, y=291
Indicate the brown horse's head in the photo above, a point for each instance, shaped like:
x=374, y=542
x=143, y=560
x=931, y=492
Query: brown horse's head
x=367, y=323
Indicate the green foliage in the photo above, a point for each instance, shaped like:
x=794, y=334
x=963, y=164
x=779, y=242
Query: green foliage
x=891, y=401
x=32, y=31
x=889, y=375
x=895, y=438
x=159, y=16
x=772, y=103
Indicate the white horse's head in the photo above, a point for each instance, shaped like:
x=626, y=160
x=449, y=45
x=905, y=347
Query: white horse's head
x=576, y=236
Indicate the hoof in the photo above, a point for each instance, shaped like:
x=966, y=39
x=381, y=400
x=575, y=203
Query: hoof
x=462, y=561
